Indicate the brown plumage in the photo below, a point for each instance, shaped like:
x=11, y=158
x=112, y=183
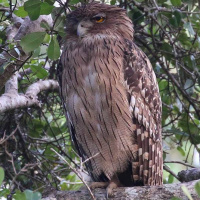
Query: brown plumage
x=111, y=97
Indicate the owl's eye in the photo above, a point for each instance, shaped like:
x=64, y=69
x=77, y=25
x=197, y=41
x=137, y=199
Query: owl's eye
x=99, y=19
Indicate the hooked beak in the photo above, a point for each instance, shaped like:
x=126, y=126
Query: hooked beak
x=83, y=27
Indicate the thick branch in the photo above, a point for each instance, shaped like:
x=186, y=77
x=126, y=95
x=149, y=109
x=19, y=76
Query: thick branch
x=12, y=100
x=189, y=175
x=164, y=192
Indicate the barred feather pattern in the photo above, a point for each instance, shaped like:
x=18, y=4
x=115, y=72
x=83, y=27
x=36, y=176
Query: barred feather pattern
x=112, y=101
x=146, y=106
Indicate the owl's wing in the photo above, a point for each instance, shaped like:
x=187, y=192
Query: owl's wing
x=62, y=89
x=146, y=106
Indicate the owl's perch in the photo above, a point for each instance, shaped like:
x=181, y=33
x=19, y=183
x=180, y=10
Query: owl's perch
x=164, y=192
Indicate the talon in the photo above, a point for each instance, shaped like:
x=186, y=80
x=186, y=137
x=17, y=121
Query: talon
x=114, y=183
x=95, y=185
x=109, y=193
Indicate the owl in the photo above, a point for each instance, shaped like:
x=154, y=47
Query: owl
x=111, y=98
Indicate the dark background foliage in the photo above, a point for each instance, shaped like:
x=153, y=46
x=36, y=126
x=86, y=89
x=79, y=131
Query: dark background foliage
x=168, y=31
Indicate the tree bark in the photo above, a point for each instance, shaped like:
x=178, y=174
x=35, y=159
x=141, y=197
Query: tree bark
x=165, y=192
x=11, y=99
x=189, y=175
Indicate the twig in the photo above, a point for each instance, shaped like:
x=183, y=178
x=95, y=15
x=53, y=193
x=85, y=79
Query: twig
x=24, y=169
x=76, y=172
x=163, y=9
x=166, y=168
x=12, y=56
x=179, y=162
x=2, y=9
x=89, y=158
x=5, y=139
x=154, y=1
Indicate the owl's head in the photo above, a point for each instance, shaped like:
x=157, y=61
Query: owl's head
x=96, y=19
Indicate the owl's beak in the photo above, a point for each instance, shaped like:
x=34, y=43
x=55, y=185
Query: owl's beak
x=83, y=27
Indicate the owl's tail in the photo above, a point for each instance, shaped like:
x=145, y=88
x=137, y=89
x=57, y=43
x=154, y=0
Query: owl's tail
x=149, y=166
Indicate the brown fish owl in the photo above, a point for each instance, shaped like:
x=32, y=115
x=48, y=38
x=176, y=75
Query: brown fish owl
x=111, y=97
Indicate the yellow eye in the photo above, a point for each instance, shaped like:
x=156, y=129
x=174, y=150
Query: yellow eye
x=99, y=19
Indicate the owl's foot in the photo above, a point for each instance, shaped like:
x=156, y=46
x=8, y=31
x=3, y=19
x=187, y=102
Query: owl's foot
x=112, y=184
x=95, y=185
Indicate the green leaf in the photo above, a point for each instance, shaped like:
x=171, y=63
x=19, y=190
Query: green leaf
x=47, y=38
x=173, y=21
x=178, y=16
x=64, y=186
x=193, y=61
x=176, y=2
x=30, y=195
x=136, y=15
x=53, y=130
x=53, y=51
x=163, y=84
x=36, y=128
x=2, y=175
x=33, y=8
x=197, y=188
x=36, y=52
x=59, y=26
x=166, y=47
x=161, y=1
x=39, y=71
x=21, y=12
x=184, y=39
x=45, y=25
x=4, y=3
x=4, y=193
x=113, y=2
x=186, y=192
x=46, y=9
x=32, y=41
x=171, y=179
x=51, y=2
x=74, y=1
x=3, y=66
x=19, y=195
x=180, y=149
x=189, y=86
x=189, y=27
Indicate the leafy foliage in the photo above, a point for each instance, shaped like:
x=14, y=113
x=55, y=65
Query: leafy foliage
x=167, y=31
x=2, y=175
x=31, y=41
x=54, y=50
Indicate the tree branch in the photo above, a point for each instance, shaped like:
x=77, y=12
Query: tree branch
x=164, y=192
x=179, y=162
x=12, y=100
x=189, y=175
